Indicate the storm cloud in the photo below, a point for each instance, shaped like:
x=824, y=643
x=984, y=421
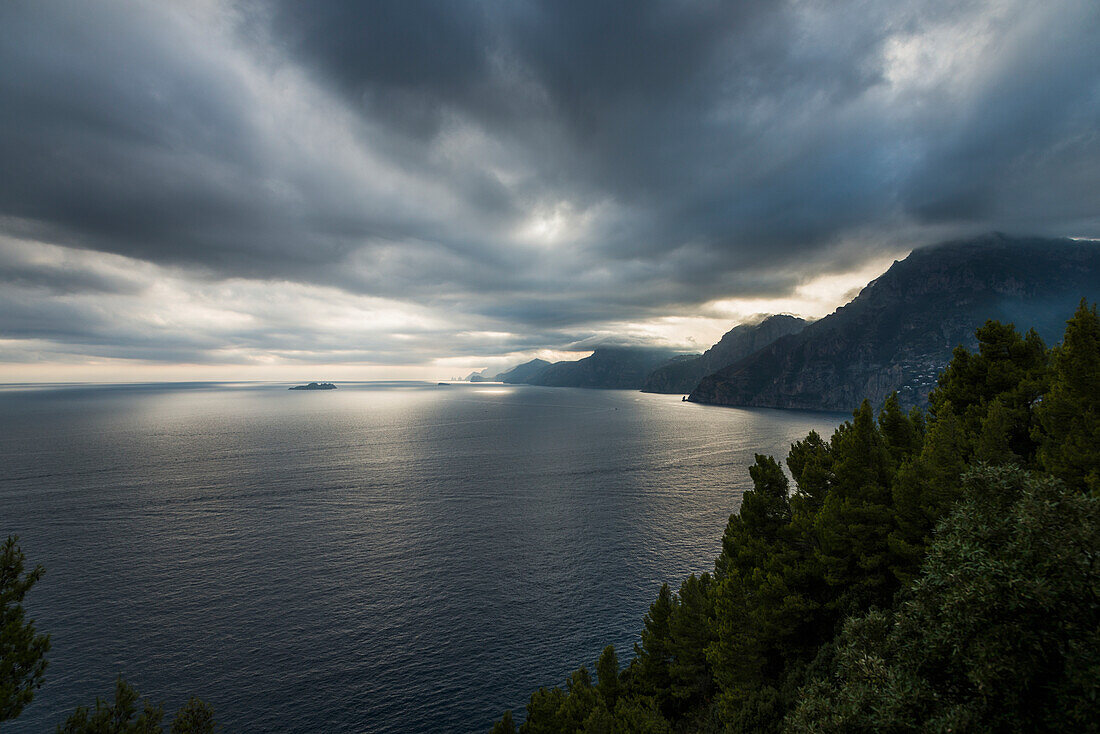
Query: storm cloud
x=394, y=183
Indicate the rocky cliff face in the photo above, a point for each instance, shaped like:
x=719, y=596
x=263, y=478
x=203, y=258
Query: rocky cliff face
x=608, y=367
x=681, y=376
x=900, y=331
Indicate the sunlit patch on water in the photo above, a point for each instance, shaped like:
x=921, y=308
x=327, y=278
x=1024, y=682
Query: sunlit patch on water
x=403, y=552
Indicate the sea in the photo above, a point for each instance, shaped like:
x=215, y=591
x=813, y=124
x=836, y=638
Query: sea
x=383, y=557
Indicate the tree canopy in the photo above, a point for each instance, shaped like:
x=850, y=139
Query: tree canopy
x=128, y=713
x=22, y=649
x=934, y=569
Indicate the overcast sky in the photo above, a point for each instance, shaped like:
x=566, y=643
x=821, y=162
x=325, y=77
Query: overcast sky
x=303, y=190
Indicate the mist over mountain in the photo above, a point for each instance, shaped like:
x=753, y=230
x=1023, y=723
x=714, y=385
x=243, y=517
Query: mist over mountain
x=607, y=367
x=681, y=376
x=900, y=330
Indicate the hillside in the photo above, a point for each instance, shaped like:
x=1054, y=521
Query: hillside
x=607, y=367
x=681, y=376
x=522, y=373
x=900, y=331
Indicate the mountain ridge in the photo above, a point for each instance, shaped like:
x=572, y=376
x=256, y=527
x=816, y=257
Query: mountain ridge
x=901, y=328
x=608, y=367
x=521, y=373
x=681, y=376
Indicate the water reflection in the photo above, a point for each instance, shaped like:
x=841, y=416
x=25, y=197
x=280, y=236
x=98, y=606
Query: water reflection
x=404, y=552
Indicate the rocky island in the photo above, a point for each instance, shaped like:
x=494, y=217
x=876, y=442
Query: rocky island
x=315, y=386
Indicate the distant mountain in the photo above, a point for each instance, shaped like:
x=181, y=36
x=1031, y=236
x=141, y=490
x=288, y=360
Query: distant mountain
x=682, y=375
x=482, y=376
x=899, y=332
x=523, y=372
x=608, y=367
x=314, y=386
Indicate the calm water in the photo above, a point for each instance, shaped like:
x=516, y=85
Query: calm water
x=383, y=557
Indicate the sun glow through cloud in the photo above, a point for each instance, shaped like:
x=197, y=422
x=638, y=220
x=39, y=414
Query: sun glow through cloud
x=210, y=188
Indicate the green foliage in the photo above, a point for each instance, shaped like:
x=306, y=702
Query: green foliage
x=1009, y=369
x=903, y=433
x=983, y=410
x=811, y=463
x=794, y=563
x=856, y=518
x=120, y=717
x=757, y=611
x=22, y=650
x=766, y=509
x=1069, y=414
x=23, y=665
x=1000, y=633
x=926, y=487
x=543, y=712
x=581, y=699
x=691, y=630
x=607, y=676
x=505, y=725
x=197, y=717
x=131, y=714
x=836, y=605
x=638, y=715
x=649, y=673
x=614, y=705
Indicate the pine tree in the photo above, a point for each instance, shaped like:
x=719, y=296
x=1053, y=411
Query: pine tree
x=856, y=519
x=811, y=465
x=924, y=491
x=22, y=650
x=505, y=725
x=607, y=676
x=903, y=432
x=544, y=712
x=122, y=716
x=580, y=701
x=1007, y=368
x=765, y=511
x=692, y=629
x=196, y=717
x=763, y=615
x=131, y=714
x=649, y=672
x=1069, y=414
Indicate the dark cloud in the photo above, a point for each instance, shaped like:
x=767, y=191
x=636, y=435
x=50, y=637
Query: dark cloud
x=535, y=167
x=1024, y=153
x=64, y=280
